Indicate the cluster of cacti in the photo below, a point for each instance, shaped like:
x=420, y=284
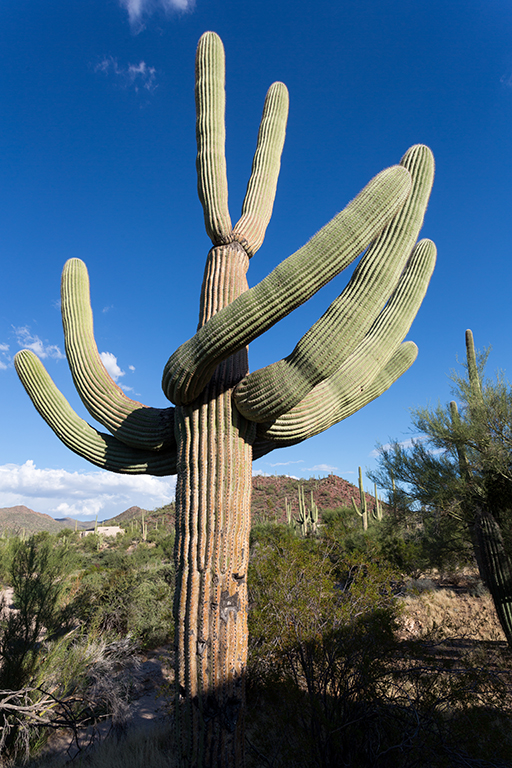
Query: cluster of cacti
x=493, y=559
x=362, y=511
x=225, y=416
x=307, y=521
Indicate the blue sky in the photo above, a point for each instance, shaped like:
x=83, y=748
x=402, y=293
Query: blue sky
x=98, y=162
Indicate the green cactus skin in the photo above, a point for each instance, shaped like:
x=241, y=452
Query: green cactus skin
x=101, y=449
x=206, y=439
x=131, y=422
x=493, y=560
x=288, y=286
x=274, y=390
x=326, y=404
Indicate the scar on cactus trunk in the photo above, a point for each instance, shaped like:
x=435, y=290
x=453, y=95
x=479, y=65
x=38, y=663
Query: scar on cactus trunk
x=223, y=416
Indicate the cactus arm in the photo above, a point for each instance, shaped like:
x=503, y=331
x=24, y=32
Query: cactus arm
x=269, y=392
x=288, y=286
x=333, y=399
x=100, y=449
x=310, y=418
x=131, y=422
x=212, y=183
x=261, y=190
x=377, y=512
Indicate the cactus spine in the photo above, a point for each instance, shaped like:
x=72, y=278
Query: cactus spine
x=224, y=416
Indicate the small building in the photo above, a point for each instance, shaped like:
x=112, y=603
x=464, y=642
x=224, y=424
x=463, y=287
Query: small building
x=103, y=530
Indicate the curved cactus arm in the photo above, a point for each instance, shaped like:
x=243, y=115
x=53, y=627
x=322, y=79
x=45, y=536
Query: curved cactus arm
x=306, y=420
x=103, y=450
x=212, y=182
x=288, y=286
x=131, y=422
x=320, y=408
x=272, y=391
x=261, y=190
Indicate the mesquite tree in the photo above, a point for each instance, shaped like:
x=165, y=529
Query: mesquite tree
x=224, y=416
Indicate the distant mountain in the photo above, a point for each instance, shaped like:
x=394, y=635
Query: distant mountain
x=132, y=513
x=20, y=518
x=268, y=503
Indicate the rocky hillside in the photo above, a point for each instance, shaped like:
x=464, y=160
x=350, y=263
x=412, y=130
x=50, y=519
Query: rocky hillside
x=270, y=493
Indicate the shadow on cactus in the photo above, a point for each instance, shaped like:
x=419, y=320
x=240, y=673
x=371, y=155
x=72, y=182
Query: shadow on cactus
x=224, y=416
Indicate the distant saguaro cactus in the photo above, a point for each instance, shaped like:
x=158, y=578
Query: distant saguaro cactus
x=225, y=416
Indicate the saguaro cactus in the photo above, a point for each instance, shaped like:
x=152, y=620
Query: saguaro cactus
x=363, y=512
x=225, y=416
x=493, y=559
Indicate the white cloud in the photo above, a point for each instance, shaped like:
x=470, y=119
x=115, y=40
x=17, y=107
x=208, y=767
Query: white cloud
x=262, y=473
x=5, y=358
x=404, y=444
x=131, y=367
x=42, y=349
x=139, y=8
x=110, y=362
x=81, y=494
x=286, y=463
x=138, y=76
x=320, y=468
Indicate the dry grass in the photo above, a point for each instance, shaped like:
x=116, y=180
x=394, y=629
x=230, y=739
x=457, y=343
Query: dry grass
x=457, y=606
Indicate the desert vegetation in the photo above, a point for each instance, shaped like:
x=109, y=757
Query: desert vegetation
x=372, y=647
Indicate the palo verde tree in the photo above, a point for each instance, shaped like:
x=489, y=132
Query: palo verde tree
x=461, y=472
x=223, y=416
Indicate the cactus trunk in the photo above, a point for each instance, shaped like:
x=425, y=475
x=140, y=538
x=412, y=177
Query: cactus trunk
x=213, y=495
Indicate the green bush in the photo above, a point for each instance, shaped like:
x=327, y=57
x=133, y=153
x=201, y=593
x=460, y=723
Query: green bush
x=127, y=598
x=321, y=631
x=37, y=576
x=330, y=683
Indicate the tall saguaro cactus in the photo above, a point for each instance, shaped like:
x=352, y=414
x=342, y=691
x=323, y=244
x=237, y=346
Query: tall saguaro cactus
x=493, y=559
x=225, y=416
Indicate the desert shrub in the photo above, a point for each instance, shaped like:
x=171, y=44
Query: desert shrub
x=79, y=681
x=331, y=683
x=37, y=572
x=321, y=629
x=127, y=599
